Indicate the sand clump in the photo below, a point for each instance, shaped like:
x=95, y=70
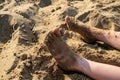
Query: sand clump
x=24, y=25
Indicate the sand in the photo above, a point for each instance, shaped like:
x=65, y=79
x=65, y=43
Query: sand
x=24, y=25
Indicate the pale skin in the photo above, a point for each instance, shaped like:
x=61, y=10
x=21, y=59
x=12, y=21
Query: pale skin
x=68, y=60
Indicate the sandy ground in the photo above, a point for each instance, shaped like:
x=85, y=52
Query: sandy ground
x=25, y=23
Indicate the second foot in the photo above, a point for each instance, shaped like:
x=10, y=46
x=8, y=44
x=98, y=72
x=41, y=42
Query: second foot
x=84, y=30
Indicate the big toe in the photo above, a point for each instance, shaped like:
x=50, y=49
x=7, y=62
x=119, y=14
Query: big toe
x=67, y=19
x=57, y=32
x=70, y=22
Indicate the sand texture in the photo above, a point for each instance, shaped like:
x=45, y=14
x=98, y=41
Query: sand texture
x=24, y=25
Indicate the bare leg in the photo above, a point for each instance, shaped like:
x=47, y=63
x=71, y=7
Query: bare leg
x=91, y=34
x=100, y=71
x=68, y=60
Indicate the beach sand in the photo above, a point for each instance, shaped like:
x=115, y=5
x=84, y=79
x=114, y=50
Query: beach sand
x=24, y=25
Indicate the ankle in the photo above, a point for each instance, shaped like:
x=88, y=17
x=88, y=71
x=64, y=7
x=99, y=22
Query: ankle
x=97, y=33
x=80, y=64
x=83, y=66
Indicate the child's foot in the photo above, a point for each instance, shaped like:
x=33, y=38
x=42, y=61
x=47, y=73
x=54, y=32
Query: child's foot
x=64, y=56
x=81, y=28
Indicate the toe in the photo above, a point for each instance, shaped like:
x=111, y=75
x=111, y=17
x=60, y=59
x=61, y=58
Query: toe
x=57, y=32
x=68, y=22
x=53, y=36
x=47, y=40
x=50, y=47
x=47, y=43
x=50, y=34
x=50, y=37
x=67, y=19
